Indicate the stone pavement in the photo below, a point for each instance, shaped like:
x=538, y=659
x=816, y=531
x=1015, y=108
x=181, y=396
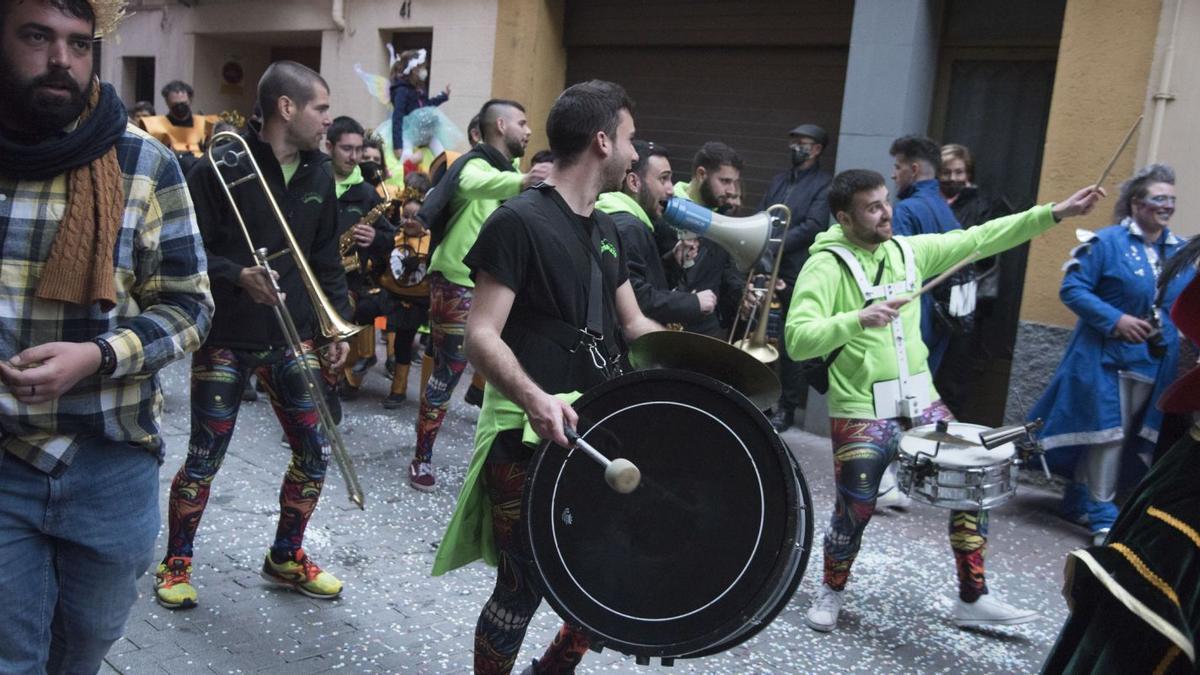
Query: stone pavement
x=394, y=618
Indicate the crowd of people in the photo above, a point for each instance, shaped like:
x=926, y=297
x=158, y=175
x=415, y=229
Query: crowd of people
x=124, y=251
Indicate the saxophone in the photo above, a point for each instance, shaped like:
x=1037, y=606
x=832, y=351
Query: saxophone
x=346, y=244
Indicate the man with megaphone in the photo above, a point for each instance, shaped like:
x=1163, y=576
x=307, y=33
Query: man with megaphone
x=636, y=208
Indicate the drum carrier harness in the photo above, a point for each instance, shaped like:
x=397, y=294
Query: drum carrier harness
x=907, y=395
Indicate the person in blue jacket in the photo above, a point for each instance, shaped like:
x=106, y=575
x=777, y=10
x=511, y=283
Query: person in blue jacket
x=409, y=75
x=1100, y=407
x=921, y=209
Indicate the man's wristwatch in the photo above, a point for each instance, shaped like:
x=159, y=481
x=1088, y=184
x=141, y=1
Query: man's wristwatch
x=108, y=358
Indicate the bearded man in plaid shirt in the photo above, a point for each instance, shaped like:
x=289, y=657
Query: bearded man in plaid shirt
x=102, y=283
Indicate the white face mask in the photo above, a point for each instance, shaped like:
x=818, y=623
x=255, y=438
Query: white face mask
x=422, y=74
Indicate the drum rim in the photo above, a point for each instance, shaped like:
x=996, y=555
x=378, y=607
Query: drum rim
x=1010, y=448
x=723, y=634
x=750, y=558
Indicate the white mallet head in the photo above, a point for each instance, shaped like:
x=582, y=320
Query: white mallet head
x=622, y=475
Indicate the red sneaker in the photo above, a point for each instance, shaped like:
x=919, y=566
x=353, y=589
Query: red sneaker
x=420, y=476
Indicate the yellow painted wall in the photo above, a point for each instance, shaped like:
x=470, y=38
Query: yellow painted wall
x=1100, y=87
x=530, y=60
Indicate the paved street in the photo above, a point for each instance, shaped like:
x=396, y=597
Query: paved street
x=393, y=617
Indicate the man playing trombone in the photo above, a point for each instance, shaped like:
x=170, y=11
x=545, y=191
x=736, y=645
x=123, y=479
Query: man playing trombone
x=246, y=337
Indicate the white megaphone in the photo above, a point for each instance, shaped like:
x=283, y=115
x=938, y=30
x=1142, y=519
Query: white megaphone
x=745, y=239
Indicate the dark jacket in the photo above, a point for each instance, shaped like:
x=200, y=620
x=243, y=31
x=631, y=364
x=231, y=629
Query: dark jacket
x=309, y=206
x=354, y=205
x=714, y=271
x=646, y=275
x=806, y=193
x=405, y=99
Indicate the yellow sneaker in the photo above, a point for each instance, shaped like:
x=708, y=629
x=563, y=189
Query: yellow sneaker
x=173, y=583
x=302, y=574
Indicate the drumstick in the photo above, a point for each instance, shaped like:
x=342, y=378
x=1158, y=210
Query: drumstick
x=620, y=474
x=946, y=275
x=1120, y=149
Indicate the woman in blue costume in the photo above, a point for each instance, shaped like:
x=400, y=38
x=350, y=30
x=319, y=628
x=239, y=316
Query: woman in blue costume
x=1099, y=408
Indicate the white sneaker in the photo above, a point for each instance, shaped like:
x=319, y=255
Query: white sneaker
x=1099, y=536
x=990, y=611
x=823, y=612
x=889, y=496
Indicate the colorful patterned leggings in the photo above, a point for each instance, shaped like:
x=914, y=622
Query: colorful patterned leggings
x=449, y=305
x=218, y=376
x=862, y=450
x=502, y=623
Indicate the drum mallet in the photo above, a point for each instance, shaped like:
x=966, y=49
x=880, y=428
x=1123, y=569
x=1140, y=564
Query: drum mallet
x=620, y=474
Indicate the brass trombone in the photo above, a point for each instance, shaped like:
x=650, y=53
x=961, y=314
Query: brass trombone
x=755, y=344
x=332, y=326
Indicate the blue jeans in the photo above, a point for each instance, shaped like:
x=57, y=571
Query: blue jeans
x=71, y=551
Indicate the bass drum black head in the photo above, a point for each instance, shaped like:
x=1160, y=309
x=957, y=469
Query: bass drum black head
x=705, y=551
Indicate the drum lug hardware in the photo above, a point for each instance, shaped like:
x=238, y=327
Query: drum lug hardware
x=667, y=662
x=642, y=660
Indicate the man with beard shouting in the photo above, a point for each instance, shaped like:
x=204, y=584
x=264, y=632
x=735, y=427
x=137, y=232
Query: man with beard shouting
x=104, y=284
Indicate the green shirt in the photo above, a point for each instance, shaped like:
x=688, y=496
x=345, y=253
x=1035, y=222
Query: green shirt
x=826, y=301
x=619, y=202
x=342, y=184
x=289, y=170
x=481, y=187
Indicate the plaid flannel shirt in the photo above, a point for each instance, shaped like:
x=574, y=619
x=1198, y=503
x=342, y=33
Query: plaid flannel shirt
x=163, y=310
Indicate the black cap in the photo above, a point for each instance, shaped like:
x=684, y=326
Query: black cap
x=812, y=131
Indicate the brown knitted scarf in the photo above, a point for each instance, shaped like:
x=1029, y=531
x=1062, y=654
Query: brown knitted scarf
x=80, y=268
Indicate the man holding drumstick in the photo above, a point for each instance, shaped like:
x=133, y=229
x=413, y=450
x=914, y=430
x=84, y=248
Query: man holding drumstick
x=552, y=303
x=879, y=382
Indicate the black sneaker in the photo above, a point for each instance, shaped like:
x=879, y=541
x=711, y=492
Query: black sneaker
x=248, y=393
x=474, y=396
x=393, y=401
x=783, y=420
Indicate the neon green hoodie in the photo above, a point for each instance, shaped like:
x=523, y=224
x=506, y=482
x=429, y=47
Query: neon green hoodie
x=481, y=187
x=619, y=202
x=826, y=301
x=348, y=182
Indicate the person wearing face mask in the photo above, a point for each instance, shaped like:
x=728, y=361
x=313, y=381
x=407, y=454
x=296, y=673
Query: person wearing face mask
x=636, y=208
x=964, y=361
x=1100, y=407
x=408, y=92
x=180, y=130
x=803, y=188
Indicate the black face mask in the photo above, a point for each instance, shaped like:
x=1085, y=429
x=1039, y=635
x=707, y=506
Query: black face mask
x=370, y=172
x=952, y=188
x=800, y=154
x=181, y=111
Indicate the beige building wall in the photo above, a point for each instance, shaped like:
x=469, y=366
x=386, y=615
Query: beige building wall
x=1100, y=87
x=191, y=44
x=531, y=60
x=1175, y=139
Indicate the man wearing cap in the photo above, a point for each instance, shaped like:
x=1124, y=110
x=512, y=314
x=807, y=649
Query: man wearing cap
x=804, y=189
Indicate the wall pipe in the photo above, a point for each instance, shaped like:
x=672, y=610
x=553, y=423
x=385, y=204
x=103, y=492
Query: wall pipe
x=1163, y=95
x=338, y=14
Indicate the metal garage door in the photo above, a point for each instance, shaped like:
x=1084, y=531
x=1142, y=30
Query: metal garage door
x=739, y=72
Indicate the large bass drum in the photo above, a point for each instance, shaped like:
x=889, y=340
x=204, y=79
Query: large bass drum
x=709, y=547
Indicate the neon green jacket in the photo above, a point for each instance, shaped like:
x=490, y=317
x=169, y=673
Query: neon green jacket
x=481, y=187
x=826, y=301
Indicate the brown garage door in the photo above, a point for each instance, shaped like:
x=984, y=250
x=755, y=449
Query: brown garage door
x=743, y=73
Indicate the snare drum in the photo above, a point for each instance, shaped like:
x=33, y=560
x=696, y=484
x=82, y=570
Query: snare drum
x=964, y=476
x=704, y=553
